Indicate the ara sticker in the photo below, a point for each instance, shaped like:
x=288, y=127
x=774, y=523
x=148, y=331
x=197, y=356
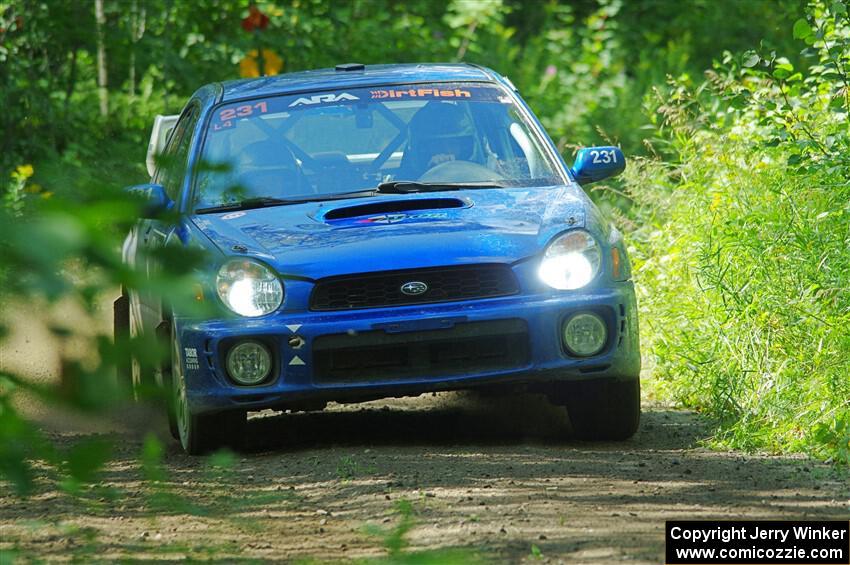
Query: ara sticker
x=297, y=361
x=233, y=215
x=321, y=98
x=191, y=355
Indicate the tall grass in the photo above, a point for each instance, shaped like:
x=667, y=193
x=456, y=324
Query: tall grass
x=742, y=247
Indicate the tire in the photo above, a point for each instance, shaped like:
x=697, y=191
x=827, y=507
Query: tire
x=601, y=409
x=163, y=334
x=120, y=338
x=132, y=375
x=200, y=433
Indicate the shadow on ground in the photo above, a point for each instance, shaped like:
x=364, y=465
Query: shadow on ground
x=496, y=475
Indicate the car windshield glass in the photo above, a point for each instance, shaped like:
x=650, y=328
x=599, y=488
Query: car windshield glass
x=330, y=142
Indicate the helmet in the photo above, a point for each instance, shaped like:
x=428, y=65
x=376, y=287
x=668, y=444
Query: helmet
x=438, y=128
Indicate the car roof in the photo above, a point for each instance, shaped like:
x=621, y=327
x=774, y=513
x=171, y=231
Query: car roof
x=369, y=75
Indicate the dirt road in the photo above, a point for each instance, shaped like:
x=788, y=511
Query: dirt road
x=488, y=475
x=476, y=477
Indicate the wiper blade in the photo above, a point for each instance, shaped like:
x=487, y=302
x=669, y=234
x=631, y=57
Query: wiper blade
x=246, y=204
x=410, y=186
x=263, y=202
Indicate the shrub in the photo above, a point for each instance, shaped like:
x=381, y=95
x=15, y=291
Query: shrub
x=741, y=253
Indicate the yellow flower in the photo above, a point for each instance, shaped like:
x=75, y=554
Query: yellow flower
x=715, y=202
x=249, y=67
x=25, y=171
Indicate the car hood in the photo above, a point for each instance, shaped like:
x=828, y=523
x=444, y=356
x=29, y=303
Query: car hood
x=400, y=231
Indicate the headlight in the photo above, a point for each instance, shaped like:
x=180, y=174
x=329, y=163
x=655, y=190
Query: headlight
x=249, y=288
x=571, y=261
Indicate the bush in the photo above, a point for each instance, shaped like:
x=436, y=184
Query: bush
x=742, y=246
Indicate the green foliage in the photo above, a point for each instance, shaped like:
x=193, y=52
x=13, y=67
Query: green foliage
x=62, y=245
x=394, y=540
x=396, y=543
x=582, y=65
x=19, y=442
x=740, y=236
x=536, y=554
x=86, y=458
x=741, y=251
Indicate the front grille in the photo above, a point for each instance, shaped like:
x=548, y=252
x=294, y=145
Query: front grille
x=445, y=284
x=467, y=348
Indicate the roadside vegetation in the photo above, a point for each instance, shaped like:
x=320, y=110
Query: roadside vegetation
x=735, y=202
x=741, y=230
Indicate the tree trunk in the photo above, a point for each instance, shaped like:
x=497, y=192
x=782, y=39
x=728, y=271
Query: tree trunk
x=102, y=91
x=137, y=30
x=72, y=82
x=131, y=80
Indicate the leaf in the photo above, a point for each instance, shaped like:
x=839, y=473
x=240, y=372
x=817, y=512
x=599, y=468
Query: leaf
x=751, y=59
x=802, y=29
x=222, y=459
x=152, y=453
x=781, y=73
x=86, y=458
x=16, y=469
x=535, y=552
x=837, y=103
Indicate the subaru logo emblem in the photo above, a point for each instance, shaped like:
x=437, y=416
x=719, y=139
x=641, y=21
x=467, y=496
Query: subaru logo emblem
x=414, y=288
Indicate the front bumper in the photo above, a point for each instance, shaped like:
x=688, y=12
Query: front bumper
x=294, y=337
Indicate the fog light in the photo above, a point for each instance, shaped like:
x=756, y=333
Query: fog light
x=249, y=363
x=585, y=334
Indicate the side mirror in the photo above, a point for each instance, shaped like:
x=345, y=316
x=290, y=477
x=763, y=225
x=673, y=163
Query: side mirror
x=596, y=163
x=162, y=128
x=153, y=199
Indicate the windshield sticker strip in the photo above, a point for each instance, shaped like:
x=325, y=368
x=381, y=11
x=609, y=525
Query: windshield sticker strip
x=227, y=117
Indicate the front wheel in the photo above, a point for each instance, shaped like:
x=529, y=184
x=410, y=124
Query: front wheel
x=200, y=433
x=601, y=409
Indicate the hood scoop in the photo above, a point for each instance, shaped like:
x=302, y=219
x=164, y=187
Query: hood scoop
x=394, y=206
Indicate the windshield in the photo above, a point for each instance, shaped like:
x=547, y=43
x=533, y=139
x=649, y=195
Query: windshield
x=312, y=145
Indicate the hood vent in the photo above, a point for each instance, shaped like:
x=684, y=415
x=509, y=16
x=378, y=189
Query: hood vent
x=392, y=206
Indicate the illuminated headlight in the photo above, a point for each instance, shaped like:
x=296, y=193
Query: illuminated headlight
x=249, y=288
x=571, y=261
x=249, y=363
x=585, y=334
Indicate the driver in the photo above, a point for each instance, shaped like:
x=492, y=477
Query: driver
x=438, y=133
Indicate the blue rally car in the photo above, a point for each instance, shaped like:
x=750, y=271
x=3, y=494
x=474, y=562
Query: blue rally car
x=381, y=231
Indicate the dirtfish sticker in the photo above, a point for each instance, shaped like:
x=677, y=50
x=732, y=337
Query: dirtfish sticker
x=322, y=98
x=191, y=355
x=420, y=93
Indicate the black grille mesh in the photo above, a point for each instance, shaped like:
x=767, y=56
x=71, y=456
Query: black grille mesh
x=465, y=349
x=445, y=284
